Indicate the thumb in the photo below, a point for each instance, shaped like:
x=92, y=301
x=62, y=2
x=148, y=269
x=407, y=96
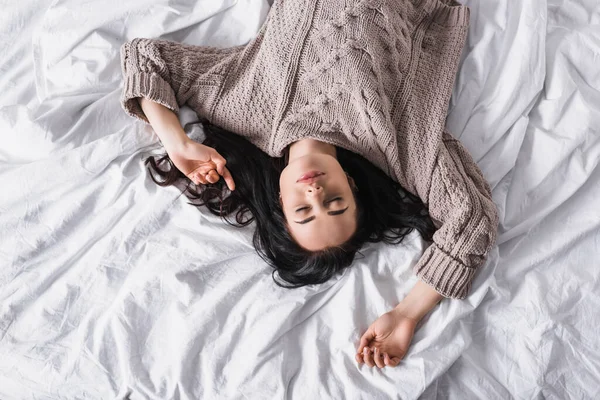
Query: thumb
x=391, y=361
x=219, y=161
x=365, y=339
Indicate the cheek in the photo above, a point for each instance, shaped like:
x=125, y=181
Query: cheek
x=287, y=187
x=288, y=197
x=284, y=190
x=285, y=180
x=288, y=214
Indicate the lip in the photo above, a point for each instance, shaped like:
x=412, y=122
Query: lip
x=310, y=177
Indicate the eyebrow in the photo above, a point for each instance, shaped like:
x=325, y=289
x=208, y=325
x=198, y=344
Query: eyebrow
x=307, y=220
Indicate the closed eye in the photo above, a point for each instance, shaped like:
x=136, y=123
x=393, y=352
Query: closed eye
x=307, y=220
x=325, y=203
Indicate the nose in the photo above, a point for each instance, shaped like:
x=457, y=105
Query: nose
x=314, y=189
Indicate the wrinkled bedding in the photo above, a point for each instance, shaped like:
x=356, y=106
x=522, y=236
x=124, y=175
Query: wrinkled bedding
x=112, y=287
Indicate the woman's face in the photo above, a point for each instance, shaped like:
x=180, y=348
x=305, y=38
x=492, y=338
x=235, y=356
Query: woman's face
x=317, y=201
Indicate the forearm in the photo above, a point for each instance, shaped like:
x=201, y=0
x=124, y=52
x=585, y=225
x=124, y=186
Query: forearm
x=419, y=301
x=165, y=123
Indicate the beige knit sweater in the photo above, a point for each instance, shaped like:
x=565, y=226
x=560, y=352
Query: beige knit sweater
x=372, y=76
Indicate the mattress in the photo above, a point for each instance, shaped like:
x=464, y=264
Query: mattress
x=114, y=288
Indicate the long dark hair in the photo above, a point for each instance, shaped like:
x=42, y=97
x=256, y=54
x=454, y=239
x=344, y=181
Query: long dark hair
x=386, y=212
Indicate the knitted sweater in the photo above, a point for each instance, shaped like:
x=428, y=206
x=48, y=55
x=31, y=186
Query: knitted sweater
x=371, y=76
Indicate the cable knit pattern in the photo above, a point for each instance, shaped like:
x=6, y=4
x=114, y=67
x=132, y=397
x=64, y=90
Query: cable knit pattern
x=371, y=76
x=172, y=74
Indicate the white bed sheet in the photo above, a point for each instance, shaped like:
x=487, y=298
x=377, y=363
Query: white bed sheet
x=112, y=287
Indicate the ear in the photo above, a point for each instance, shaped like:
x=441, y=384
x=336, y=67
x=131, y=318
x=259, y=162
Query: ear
x=352, y=183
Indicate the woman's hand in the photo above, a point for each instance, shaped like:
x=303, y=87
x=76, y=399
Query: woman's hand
x=387, y=340
x=201, y=164
x=390, y=334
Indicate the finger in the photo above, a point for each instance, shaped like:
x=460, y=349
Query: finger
x=201, y=179
x=378, y=359
x=358, y=358
x=386, y=359
x=223, y=171
x=203, y=169
x=361, y=358
x=368, y=356
x=228, y=179
x=197, y=178
x=394, y=361
x=365, y=339
x=219, y=160
x=212, y=176
x=365, y=353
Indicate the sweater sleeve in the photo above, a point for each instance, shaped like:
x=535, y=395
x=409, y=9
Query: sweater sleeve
x=461, y=206
x=172, y=74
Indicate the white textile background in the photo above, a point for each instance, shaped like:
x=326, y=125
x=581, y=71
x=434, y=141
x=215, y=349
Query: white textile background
x=112, y=287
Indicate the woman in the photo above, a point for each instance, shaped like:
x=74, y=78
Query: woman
x=342, y=106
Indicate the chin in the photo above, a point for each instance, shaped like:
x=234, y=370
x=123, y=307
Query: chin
x=309, y=162
x=300, y=165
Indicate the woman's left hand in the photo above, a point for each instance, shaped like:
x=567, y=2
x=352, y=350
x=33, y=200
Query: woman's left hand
x=387, y=340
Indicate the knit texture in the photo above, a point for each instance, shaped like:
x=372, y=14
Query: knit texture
x=371, y=76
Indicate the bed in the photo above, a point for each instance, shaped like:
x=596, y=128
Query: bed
x=114, y=288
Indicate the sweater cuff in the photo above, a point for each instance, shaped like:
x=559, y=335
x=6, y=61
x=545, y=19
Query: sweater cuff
x=149, y=85
x=448, y=276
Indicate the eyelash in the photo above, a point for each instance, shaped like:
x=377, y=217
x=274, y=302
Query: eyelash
x=330, y=201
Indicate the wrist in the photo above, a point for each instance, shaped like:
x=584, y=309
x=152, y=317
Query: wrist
x=409, y=312
x=165, y=123
x=174, y=141
x=419, y=301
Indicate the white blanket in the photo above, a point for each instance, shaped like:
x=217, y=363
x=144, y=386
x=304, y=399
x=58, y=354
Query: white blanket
x=113, y=287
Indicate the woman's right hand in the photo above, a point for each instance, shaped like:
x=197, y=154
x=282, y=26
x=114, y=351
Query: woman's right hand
x=201, y=164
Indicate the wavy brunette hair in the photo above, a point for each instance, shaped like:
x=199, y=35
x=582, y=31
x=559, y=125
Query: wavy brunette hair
x=385, y=211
